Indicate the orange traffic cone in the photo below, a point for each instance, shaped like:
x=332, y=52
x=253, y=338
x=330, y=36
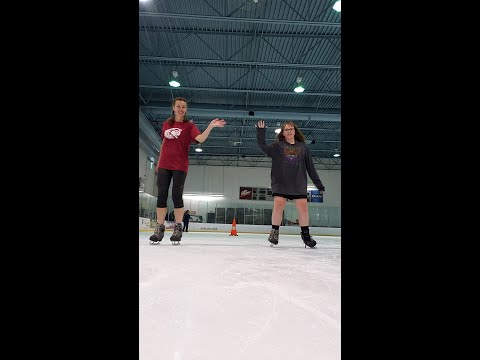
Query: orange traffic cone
x=234, y=228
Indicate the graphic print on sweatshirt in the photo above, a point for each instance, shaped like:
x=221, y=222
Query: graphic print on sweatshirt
x=173, y=133
x=291, y=155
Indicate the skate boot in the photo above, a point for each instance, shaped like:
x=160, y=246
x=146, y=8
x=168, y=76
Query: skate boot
x=158, y=234
x=177, y=234
x=308, y=241
x=273, y=238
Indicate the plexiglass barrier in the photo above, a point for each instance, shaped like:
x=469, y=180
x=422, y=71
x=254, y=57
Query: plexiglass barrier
x=223, y=212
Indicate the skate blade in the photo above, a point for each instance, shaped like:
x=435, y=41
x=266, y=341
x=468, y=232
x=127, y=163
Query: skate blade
x=175, y=242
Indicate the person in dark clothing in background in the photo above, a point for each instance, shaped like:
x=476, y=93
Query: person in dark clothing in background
x=186, y=220
x=291, y=161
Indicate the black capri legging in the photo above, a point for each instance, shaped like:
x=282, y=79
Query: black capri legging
x=164, y=177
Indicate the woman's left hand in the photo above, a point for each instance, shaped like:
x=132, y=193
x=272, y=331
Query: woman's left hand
x=217, y=122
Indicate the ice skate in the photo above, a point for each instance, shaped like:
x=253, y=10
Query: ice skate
x=177, y=234
x=158, y=234
x=308, y=241
x=273, y=238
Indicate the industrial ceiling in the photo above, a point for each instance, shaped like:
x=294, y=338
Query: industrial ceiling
x=240, y=60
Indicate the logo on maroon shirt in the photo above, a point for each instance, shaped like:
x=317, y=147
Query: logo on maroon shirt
x=173, y=133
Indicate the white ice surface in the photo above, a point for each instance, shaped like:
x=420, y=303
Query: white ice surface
x=223, y=297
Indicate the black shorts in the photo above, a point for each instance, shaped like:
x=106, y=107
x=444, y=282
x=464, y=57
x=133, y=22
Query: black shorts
x=291, y=197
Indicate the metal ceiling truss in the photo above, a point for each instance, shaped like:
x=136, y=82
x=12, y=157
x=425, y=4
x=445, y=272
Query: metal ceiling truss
x=192, y=31
x=250, y=113
x=329, y=164
x=322, y=125
x=144, y=59
x=241, y=138
x=205, y=146
x=249, y=91
x=238, y=20
x=288, y=65
x=254, y=161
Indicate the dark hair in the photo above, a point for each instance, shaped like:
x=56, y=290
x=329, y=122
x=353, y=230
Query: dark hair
x=171, y=119
x=298, y=133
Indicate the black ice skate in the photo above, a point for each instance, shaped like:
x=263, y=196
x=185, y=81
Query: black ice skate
x=273, y=238
x=308, y=241
x=177, y=234
x=158, y=234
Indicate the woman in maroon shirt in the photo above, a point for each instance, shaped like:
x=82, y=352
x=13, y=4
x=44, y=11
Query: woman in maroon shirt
x=177, y=134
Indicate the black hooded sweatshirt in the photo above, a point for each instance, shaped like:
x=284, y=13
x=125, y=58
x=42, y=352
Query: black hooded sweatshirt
x=290, y=165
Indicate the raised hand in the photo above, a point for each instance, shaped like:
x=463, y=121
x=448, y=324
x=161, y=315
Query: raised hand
x=260, y=124
x=217, y=122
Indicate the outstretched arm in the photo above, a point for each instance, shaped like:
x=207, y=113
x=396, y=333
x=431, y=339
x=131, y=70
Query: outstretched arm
x=261, y=130
x=214, y=123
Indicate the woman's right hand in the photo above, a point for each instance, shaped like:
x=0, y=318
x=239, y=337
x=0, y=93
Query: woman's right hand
x=260, y=124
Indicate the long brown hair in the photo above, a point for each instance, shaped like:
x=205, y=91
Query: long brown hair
x=298, y=134
x=171, y=119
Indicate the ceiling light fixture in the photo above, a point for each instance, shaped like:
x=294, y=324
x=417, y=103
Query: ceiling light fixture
x=204, y=197
x=337, y=6
x=299, y=88
x=203, y=194
x=198, y=149
x=277, y=131
x=173, y=82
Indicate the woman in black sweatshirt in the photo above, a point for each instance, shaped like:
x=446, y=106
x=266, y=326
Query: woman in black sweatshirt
x=291, y=162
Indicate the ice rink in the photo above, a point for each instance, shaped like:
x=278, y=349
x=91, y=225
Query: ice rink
x=222, y=297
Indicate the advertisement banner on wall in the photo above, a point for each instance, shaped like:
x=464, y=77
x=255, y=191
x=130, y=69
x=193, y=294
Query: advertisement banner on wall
x=315, y=196
x=246, y=193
